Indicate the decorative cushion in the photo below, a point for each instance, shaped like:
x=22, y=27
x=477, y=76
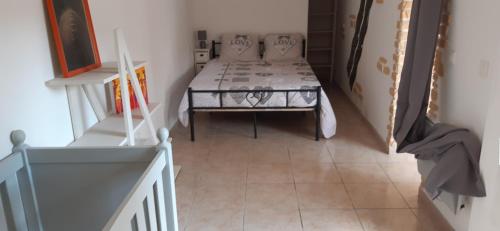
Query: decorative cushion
x=283, y=47
x=239, y=47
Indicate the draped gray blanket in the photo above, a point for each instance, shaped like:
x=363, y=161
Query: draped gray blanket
x=456, y=151
x=456, y=154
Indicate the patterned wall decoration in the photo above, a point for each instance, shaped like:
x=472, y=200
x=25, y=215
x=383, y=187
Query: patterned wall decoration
x=352, y=20
x=383, y=66
x=438, y=71
x=357, y=89
x=398, y=57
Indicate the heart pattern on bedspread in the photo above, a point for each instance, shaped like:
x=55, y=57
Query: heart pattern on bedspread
x=308, y=96
x=259, y=97
x=238, y=97
x=263, y=74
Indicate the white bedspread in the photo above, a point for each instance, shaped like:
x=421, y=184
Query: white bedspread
x=258, y=75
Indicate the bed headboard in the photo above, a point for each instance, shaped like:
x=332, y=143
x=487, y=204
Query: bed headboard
x=215, y=52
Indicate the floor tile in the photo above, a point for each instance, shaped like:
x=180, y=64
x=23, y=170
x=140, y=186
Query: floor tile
x=185, y=200
x=216, y=220
x=375, y=196
x=272, y=220
x=362, y=173
x=428, y=216
x=187, y=175
x=189, y=156
x=410, y=192
x=309, y=152
x=228, y=154
x=402, y=172
x=264, y=152
x=315, y=173
x=330, y=219
x=271, y=196
x=227, y=196
x=317, y=196
x=388, y=219
x=351, y=154
x=222, y=173
x=231, y=181
x=269, y=173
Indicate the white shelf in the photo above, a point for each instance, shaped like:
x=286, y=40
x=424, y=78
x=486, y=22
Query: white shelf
x=105, y=74
x=111, y=131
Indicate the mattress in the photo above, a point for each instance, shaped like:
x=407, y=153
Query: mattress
x=259, y=75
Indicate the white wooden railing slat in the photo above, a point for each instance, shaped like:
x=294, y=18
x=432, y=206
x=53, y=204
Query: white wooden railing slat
x=160, y=203
x=133, y=203
x=151, y=210
x=141, y=218
x=169, y=189
x=16, y=203
x=10, y=165
x=3, y=217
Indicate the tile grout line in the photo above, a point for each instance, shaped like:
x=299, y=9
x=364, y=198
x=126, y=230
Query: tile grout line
x=395, y=187
x=245, y=202
x=347, y=191
x=295, y=188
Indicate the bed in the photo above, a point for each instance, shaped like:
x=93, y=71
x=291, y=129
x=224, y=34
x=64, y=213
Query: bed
x=115, y=188
x=257, y=86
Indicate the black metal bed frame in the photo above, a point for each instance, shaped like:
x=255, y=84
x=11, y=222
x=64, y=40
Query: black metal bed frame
x=221, y=108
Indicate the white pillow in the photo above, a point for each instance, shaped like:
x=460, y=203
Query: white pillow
x=283, y=47
x=239, y=47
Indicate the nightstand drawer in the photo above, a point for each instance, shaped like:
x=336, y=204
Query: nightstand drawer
x=201, y=57
x=199, y=67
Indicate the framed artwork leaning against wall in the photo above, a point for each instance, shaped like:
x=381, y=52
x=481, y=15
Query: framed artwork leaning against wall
x=73, y=35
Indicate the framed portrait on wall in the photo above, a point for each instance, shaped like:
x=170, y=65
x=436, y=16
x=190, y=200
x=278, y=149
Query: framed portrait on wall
x=74, y=36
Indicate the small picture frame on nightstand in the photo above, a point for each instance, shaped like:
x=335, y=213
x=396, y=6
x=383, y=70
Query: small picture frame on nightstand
x=201, y=58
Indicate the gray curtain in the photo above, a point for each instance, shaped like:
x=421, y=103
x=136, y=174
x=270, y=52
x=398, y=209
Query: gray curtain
x=455, y=151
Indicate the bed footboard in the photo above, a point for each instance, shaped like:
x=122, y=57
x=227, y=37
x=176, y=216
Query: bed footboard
x=286, y=107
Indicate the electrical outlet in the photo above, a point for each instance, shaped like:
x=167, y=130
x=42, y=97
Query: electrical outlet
x=484, y=68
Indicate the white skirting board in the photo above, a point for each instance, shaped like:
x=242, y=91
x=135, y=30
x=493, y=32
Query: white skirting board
x=177, y=169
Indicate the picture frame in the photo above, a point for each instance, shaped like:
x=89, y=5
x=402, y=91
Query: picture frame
x=74, y=36
x=117, y=94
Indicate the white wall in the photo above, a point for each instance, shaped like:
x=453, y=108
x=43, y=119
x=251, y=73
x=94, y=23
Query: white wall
x=465, y=96
x=159, y=31
x=472, y=37
x=26, y=63
x=257, y=16
x=379, y=42
x=486, y=211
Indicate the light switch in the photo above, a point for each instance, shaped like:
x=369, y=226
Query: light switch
x=484, y=68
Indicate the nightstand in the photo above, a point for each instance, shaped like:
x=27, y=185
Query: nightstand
x=201, y=58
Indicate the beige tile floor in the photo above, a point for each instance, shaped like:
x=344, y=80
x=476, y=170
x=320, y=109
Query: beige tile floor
x=284, y=180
